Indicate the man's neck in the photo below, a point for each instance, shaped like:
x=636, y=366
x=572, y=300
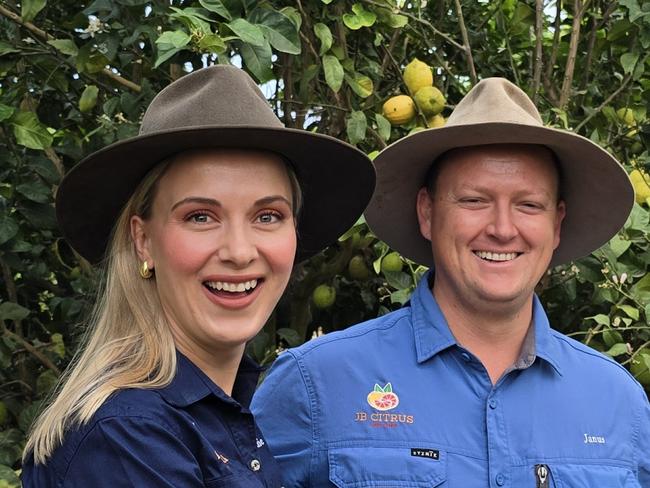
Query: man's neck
x=494, y=333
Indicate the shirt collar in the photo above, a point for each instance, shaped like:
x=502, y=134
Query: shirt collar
x=432, y=333
x=191, y=385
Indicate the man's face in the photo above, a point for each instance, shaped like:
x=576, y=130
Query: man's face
x=493, y=219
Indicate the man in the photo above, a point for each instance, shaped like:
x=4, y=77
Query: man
x=467, y=385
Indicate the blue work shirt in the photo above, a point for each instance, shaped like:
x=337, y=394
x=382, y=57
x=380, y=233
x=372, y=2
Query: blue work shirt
x=397, y=402
x=188, y=434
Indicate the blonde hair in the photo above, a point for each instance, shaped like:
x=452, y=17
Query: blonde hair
x=128, y=342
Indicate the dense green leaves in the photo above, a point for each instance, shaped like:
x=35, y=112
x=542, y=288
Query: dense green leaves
x=333, y=72
x=29, y=131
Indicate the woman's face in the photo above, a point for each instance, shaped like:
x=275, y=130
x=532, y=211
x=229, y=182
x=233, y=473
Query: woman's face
x=222, y=240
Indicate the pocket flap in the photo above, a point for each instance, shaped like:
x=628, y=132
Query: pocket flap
x=360, y=467
x=591, y=475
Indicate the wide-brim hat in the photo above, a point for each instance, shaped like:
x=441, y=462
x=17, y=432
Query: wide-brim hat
x=595, y=187
x=219, y=106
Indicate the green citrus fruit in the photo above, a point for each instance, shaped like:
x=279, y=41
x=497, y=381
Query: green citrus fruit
x=625, y=115
x=430, y=100
x=399, y=109
x=416, y=75
x=358, y=269
x=639, y=368
x=324, y=296
x=392, y=263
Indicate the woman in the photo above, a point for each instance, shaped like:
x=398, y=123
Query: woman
x=197, y=220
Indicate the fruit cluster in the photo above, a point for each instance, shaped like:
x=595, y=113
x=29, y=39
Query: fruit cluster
x=423, y=97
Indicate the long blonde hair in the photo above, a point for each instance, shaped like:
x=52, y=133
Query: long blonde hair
x=127, y=343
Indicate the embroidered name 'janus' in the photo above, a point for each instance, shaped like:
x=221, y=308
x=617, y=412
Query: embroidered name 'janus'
x=594, y=439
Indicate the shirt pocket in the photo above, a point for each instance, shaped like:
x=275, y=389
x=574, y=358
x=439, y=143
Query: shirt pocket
x=387, y=466
x=593, y=475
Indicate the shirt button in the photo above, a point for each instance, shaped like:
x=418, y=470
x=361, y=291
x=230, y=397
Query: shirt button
x=255, y=465
x=500, y=479
x=492, y=403
x=465, y=357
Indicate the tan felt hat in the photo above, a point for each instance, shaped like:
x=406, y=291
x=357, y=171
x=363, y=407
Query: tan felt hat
x=596, y=188
x=219, y=106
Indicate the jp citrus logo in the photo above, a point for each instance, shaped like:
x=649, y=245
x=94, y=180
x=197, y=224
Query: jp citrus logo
x=383, y=398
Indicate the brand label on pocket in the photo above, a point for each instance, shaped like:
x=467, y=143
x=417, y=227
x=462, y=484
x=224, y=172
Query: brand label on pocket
x=425, y=453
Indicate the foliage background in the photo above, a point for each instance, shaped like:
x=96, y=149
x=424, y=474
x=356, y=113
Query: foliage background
x=76, y=76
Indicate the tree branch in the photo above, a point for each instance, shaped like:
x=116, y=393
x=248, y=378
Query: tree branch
x=537, y=64
x=33, y=351
x=466, y=46
x=548, y=75
x=46, y=37
x=578, y=12
x=620, y=88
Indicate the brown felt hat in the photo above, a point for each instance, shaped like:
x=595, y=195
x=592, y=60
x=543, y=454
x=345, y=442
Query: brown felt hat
x=595, y=187
x=219, y=106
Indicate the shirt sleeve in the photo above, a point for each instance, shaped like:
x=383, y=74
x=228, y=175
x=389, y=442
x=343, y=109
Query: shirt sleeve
x=644, y=441
x=132, y=452
x=282, y=410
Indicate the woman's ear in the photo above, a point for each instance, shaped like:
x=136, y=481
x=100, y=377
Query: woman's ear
x=141, y=240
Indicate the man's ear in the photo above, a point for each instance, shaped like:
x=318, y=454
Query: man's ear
x=424, y=208
x=141, y=240
x=559, y=217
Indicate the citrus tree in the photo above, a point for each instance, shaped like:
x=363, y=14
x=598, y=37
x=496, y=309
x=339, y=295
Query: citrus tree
x=76, y=76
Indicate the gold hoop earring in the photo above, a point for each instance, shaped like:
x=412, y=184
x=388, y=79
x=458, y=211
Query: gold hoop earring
x=145, y=272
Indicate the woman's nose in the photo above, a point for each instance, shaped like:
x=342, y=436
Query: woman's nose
x=238, y=247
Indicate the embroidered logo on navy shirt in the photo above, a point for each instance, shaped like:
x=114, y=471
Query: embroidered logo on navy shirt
x=425, y=453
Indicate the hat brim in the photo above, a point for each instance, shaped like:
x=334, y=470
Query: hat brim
x=336, y=179
x=596, y=189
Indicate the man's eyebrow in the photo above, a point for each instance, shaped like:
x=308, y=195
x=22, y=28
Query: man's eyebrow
x=216, y=203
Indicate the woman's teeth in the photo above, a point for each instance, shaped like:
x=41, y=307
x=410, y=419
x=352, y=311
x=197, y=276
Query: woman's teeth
x=232, y=287
x=496, y=256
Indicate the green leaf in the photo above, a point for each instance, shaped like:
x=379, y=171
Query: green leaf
x=194, y=19
x=212, y=43
x=35, y=191
x=352, y=22
x=6, y=111
x=289, y=335
x=247, y=32
x=169, y=43
x=383, y=126
x=367, y=18
x=356, y=126
x=619, y=245
x=395, y=21
x=324, y=35
x=628, y=61
x=12, y=311
x=65, y=46
x=631, y=311
x=8, y=228
x=6, y=48
x=88, y=98
x=333, y=72
x=388, y=388
x=30, y=9
x=617, y=350
x=378, y=388
x=258, y=60
x=278, y=29
x=641, y=289
x=611, y=337
x=8, y=477
x=600, y=319
x=360, y=84
x=217, y=7
x=29, y=131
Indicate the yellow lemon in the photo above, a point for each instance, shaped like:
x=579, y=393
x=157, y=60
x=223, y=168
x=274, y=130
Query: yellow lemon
x=399, y=109
x=640, y=183
x=436, y=121
x=430, y=100
x=416, y=75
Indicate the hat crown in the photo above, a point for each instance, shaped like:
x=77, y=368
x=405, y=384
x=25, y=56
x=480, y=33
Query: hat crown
x=190, y=102
x=495, y=100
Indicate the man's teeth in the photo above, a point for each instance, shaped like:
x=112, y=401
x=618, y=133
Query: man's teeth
x=232, y=287
x=496, y=256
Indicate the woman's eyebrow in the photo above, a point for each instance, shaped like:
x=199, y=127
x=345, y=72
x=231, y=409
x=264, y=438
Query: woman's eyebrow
x=272, y=199
x=201, y=200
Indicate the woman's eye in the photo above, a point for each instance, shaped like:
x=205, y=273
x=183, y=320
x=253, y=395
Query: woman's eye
x=199, y=218
x=269, y=217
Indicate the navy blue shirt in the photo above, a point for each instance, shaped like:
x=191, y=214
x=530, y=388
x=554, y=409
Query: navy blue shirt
x=188, y=434
x=397, y=402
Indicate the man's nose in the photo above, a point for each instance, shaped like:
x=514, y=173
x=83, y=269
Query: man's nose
x=502, y=225
x=238, y=246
